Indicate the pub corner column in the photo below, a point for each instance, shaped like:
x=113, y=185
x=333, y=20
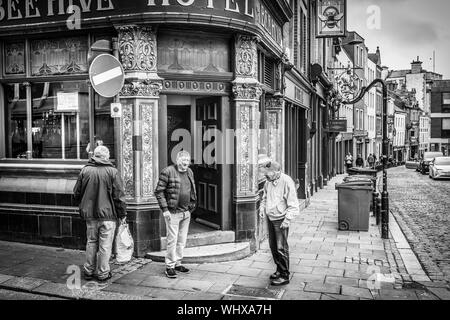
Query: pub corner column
x=139, y=138
x=246, y=93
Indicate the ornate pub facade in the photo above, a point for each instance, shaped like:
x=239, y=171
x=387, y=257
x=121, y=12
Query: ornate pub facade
x=200, y=75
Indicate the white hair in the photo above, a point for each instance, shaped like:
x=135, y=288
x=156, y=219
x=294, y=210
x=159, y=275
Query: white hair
x=182, y=154
x=102, y=152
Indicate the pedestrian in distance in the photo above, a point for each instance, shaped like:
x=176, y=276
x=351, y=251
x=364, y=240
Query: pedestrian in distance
x=371, y=160
x=348, y=161
x=279, y=204
x=101, y=199
x=177, y=199
x=359, y=161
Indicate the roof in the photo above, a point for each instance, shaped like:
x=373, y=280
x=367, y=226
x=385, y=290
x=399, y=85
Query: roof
x=373, y=57
x=441, y=84
x=397, y=109
x=398, y=73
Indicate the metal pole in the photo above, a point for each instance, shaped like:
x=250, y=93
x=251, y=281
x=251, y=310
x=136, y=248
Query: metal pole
x=385, y=194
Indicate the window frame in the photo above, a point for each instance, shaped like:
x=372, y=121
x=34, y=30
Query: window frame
x=29, y=78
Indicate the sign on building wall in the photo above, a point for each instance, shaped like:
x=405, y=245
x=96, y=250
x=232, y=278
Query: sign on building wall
x=337, y=125
x=331, y=20
x=16, y=12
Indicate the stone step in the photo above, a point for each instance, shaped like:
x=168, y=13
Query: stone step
x=209, y=253
x=204, y=239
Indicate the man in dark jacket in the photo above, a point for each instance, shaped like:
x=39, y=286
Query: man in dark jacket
x=177, y=199
x=101, y=200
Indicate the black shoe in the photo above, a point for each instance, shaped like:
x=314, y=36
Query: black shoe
x=170, y=273
x=88, y=277
x=182, y=269
x=109, y=276
x=280, y=281
x=275, y=275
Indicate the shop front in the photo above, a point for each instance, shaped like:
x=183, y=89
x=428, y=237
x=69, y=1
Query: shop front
x=198, y=77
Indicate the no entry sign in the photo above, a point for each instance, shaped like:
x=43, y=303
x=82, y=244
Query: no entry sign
x=106, y=75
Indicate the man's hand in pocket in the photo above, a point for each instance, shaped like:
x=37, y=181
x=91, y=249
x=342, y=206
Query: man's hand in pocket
x=166, y=215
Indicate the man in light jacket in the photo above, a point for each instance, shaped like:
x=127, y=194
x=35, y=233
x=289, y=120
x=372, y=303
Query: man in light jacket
x=280, y=204
x=101, y=200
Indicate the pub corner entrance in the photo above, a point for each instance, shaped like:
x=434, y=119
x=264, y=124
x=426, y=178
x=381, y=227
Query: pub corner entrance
x=191, y=123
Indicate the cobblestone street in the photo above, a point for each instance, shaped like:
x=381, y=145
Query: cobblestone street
x=422, y=209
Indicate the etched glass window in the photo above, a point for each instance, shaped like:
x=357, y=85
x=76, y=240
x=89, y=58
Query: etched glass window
x=190, y=54
x=14, y=58
x=59, y=56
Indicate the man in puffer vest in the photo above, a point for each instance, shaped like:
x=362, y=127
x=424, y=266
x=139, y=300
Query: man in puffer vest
x=101, y=200
x=177, y=199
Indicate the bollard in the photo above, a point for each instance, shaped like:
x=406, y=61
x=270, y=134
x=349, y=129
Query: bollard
x=378, y=212
x=374, y=203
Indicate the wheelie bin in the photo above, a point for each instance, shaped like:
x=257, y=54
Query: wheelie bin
x=354, y=200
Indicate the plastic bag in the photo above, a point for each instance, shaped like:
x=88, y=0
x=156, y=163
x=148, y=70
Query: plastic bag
x=124, y=244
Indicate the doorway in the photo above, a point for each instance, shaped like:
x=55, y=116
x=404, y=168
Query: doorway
x=200, y=115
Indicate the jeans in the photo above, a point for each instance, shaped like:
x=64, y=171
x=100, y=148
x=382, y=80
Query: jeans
x=279, y=246
x=100, y=236
x=177, y=230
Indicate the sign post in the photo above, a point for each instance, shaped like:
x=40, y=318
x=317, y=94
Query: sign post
x=106, y=75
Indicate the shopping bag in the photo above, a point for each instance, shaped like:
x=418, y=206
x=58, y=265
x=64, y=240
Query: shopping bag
x=124, y=244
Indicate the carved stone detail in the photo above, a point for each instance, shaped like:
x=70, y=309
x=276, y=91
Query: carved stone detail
x=246, y=56
x=127, y=149
x=275, y=135
x=147, y=148
x=247, y=138
x=247, y=91
x=141, y=88
x=274, y=103
x=137, y=48
x=244, y=184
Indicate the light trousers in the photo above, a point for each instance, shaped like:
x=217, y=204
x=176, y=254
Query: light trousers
x=177, y=231
x=100, y=236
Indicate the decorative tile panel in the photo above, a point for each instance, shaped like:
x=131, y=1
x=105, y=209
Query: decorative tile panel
x=127, y=149
x=137, y=48
x=246, y=57
x=147, y=148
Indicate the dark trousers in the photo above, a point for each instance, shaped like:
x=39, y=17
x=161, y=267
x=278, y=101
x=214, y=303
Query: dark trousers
x=279, y=246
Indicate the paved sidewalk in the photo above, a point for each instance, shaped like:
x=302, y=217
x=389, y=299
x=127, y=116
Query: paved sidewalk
x=325, y=264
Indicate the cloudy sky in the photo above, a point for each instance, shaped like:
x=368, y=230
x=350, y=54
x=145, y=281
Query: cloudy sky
x=408, y=28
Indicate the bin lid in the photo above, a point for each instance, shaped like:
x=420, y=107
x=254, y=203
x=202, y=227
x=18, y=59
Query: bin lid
x=359, y=170
x=353, y=186
x=359, y=178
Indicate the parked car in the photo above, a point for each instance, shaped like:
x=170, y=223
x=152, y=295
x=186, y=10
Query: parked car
x=440, y=168
x=425, y=161
x=412, y=164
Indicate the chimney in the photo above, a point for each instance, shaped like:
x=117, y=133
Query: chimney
x=416, y=66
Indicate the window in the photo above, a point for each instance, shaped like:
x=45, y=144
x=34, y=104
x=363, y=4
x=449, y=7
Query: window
x=446, y=98
x=446, y=124
x=50, y=119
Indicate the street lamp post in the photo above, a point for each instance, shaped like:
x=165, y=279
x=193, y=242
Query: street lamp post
x=384, y=194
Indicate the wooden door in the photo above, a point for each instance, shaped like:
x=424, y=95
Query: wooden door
x=178, y=117
x=208, y=174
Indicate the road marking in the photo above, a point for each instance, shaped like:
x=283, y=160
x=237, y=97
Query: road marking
x=107, y=75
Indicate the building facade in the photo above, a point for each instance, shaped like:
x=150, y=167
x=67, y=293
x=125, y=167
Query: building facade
x=419, y=80
x=440, y=116
x=198, y=75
